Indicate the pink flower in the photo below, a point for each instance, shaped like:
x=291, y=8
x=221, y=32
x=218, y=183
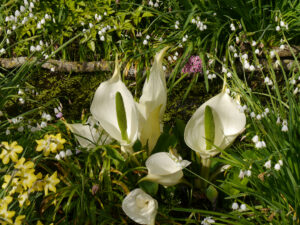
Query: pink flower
x=194, y=65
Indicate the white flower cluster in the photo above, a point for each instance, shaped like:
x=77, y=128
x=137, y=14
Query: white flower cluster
x=277, y=166
x=284, y=126
x=258, y=144
x=98, y=17
x=156, y=4
x=207, y=221
x=210, y=76
x=232, y=27
x=173, y=58
x=235, y=206
x=185, y=38
x=244, y=173
x=102, y=32
x=200, y=24
x=177, y=25
x=282, y=25
x=63, y=154
x=245, y=62
x=268, y=81
x=145, y=41
x=43, y=21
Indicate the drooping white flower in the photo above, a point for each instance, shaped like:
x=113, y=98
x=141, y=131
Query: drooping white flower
x=243, y=207
x=114, y=107
x=228, y=121
x=152, y=103
x=165, y=168
x=255, y=139
x=235, y=206
x=277, y=167
x=268, y=164
x=89, y=135
x=140, y=207
x=207, y=221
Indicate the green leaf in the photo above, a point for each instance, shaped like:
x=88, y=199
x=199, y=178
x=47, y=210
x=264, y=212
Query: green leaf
x=147, y=14
x=121, y=116
x=91, y=45
x=211, y=194
x=149, y=187
x=209, y=126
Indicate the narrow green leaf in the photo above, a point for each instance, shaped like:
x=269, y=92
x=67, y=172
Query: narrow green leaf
x=150, y=187
x=121, y=116
x=209, y=126
x=211, y=194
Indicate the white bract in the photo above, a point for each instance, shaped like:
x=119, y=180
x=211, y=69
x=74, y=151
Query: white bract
x=140, y=207
x=89, y=135
x=152, y=103
x=104, y=109
x=165, y=168
x=228, y=122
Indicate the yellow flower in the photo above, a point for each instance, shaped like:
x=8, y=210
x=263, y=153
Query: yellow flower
x=23, y=198
x=39, y=184
x=19, y=220
x=14, y=184
x=50, y=143
x=50, y=183
x=39, y=223
x=5, y=214
x=10, y=152
x=27, y=178
x=24, y=166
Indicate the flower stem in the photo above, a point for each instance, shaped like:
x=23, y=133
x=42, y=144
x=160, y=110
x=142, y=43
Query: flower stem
x=205, y=170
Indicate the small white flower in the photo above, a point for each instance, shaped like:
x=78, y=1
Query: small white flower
x=272, y=54
x=102, y=38
x=62, y=154
x=52, y=69
x=145, y=42
x=293, y=81
x=38, y=48
x=229, y=75
x=17, y=13
x=150, y=3
x=207, y=221
x=156, y=5
x=252, y=114
x=241, y=174
x=258, y=144
x=277, y=167
x=164, y=68
x=22, y=8
x=235, y=206
x=253, y=43
x=39, y=25
x=193, y=21
x=258, y=117
x=25, y=2
x=246, y=65
x=284, y=128
x=91, y=25
x=43, y=124
x=268, y=164
x=267, y=110
x=255, y=139
x=282, y=47
x=43, y=21
x=232, y=27
x=148, y=37
x=248, y=173
x=21, y=100
x=8, y=32
x=243, y=207
x=251, y=68
x=69, y=152
x=277, y=28
x=174, y=57
x=256, y=51
x=280, y=162
x=278, y=120
x=7, y=132
x=57, y=157
x=31, y=5
x=263, y=143
x=282, y=24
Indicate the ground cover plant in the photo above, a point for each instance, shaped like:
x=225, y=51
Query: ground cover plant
x=195, y=120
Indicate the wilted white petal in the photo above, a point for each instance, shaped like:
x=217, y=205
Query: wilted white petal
x=165, y=169
x=88, y=135
x=152, y=103
x=140, y=207
x=229, y=123
x=103, y=108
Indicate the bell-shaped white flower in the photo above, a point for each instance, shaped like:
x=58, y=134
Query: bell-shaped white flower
x=152, y=103
x=140, y=207
x=227, y=123
x=114, y=107
x=165, y=168
x=90, y=134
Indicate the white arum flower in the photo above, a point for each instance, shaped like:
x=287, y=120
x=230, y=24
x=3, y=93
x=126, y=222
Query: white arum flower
x=114, y=107
x=165, y=168
x=89, y=135
x=152, y=103
x=140, y=207
x=223, y=124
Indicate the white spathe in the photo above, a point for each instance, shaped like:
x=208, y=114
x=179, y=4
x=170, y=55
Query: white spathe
x=152, y=103
x=103, y=108
x=165, y=168
x=140, y=207
x=229, y=123
x=90, y=134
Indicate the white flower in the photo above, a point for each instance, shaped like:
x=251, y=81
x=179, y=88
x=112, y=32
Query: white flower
x=140, y=207
x=57, y=157
x=2, y=51
x=22, y=8
x=31, y=5
x=145, y=42
x=248, y=173
x=284, y=128
x=165, y=169
x=277, y=28
x=232, y=27
x=235, y=206
x=253, y=43
x=89, y=135
x=243, y=207
x=258, y=117
x=224, y=115
x=21, y=100
x=280, y=162
x=102, y=38
x=152, y=103
x=43, y=21
x=255, y=139
x=256, y=51
x=241, y=174
x=268, y=164
x=148, y=37
x=114, y=107
x=229, y=74
x=272, y=54
x=207, y=221
x=282, y=47
x=43, y=124
x=69, y=152
x=282, y=24
x=17, y=13
x=62, y=154
x=252, y=114
x=277, y=167
x=7, y=132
